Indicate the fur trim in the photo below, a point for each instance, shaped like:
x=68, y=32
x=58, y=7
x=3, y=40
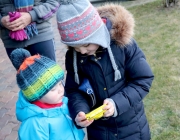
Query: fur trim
x=122, y=22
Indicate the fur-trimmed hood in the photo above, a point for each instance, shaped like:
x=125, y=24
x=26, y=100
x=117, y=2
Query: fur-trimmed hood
x=122, y=22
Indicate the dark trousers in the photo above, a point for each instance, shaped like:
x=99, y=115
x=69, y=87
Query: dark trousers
x=46, y=48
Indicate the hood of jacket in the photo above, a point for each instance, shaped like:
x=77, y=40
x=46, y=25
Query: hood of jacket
x=122, y=20
x=25, y=110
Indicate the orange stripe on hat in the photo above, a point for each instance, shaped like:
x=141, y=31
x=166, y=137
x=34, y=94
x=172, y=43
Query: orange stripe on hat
x=28, y=61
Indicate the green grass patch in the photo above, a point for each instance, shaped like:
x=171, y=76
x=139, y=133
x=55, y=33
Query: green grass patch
x=157, y=32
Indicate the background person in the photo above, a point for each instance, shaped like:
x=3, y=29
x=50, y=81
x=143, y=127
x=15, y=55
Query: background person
x=40, y=13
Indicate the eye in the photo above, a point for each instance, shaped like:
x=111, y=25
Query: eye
x=53, y=89
x=62, y=83
x=86, y=45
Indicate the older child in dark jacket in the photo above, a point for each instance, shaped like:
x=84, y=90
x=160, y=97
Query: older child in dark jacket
x=103, y=51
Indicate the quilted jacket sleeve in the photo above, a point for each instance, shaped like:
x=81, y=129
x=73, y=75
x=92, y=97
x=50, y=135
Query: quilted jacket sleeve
x=44, y=10
x=139, y=79
x=76, y=102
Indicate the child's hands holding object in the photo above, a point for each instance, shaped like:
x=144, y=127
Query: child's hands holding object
x=109, y=107
x=85, y=120
x=96, y=114
x=106, y=110
x=81, y=120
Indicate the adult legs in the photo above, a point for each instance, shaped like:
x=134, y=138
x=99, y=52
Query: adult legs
x=45, y=48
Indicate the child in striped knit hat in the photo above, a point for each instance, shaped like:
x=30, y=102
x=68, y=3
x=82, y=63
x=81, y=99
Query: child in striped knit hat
x=41, y=105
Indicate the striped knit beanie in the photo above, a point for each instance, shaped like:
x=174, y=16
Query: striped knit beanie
x=79, y=23
x=36, y=75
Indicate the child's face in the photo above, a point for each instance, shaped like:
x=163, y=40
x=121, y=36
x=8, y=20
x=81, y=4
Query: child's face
x=55, y=95
x=88, y=49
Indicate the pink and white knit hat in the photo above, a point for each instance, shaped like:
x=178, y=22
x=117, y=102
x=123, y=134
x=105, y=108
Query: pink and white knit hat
x=79, y=23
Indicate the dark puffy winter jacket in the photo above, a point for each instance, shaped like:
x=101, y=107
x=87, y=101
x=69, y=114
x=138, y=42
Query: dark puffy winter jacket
x=127, y=93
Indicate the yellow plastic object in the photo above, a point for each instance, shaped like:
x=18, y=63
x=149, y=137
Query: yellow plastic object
x=96, y=114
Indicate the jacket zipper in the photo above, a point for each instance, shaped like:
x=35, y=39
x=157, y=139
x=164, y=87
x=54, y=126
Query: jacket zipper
x=96, y=61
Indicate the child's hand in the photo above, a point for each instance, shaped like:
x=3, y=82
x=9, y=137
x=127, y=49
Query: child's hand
x=109, y=107
x=81, y=120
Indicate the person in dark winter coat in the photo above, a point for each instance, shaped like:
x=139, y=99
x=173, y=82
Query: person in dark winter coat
x=102, y=50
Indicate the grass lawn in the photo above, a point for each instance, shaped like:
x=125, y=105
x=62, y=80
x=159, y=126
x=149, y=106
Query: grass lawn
x=157, y=32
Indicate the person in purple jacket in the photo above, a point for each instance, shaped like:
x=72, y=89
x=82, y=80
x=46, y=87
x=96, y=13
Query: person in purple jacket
x=36, y=13
x=102, y=49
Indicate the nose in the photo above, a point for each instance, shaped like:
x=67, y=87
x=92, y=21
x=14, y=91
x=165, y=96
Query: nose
x=83, y=50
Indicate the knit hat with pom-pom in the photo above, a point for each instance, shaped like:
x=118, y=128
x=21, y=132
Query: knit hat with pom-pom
x=36, y=75
x=79, y=23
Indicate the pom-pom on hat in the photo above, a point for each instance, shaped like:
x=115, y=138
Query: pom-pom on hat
x=79, y=23
x=36, y=75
